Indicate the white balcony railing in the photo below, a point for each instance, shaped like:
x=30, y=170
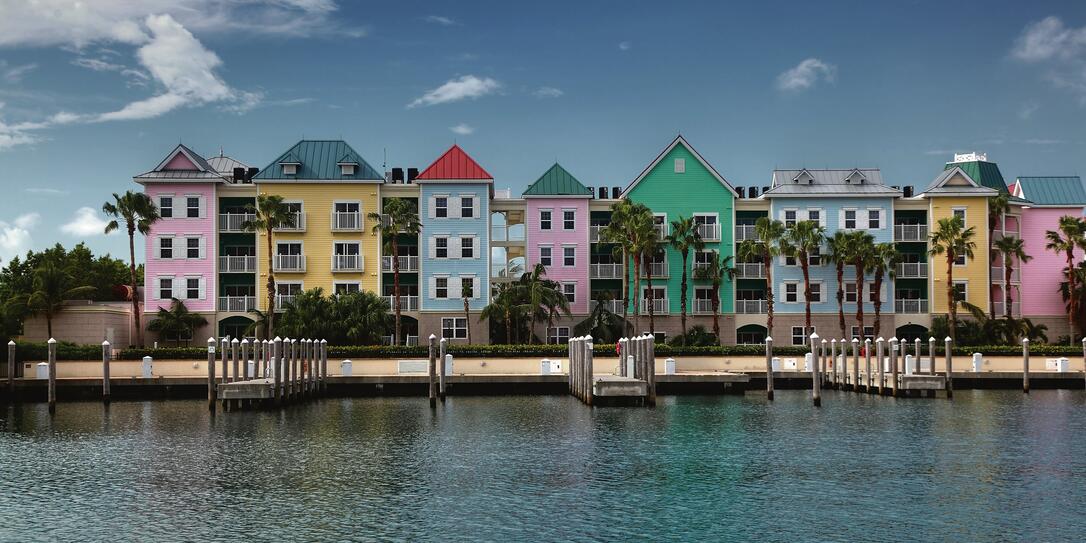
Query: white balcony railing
x=347, y=263
x=507, y=233
x=910, y=306
x=999, y=274
x=232, y=223
x=709, y=232
x=237, y=304
x=407, y=263
x=605, y=271
x=744, y=232
x=237, y=264
x=296, y=225
x=282, y=300
x=751, y=307
x=407, y=303
x=703, y=306
x=910, y=232
x=346, y=221
x=594, y=232
x=614, y=306
x=912, y=270
x=750, y=270
x=289, y=263
x=662, y=230
x=1001, y=309
x=658, y=269
x=659, y=306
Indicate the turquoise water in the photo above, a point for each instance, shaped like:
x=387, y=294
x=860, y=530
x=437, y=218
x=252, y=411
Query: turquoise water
x=991, y=465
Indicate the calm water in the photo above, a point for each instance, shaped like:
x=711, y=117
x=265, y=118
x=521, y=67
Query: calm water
x=992, y=465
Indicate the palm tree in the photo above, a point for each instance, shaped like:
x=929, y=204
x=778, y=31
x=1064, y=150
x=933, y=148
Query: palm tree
x=998, y=206
x=684, y=236
x=541, y=299
x=52, y=286
x=840, y=253
x=176, y=322
x=270, y=213
x=400, y=217
x=950, y=238
x=646, y=245
x=715, y=271
x=863, y=256
x=767, y=244
x=624, y=214
x=1069, y=235
x=138, y=213
x=1011, y=248
x=601, y=323
x=466, y=294
x=884, y=258
x=800, y=242
x=503, y=306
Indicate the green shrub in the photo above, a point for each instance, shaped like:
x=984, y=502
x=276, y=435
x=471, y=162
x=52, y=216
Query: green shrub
x=35, y=352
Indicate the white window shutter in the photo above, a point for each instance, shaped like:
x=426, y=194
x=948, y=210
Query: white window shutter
x=203, y=284
x=475, y=206
x=476, y=247
x=454, y=207
x=882, y=218
x=158, y=248
x=433, y=247
x=454, y=246
x=475, y=288
x=841, y=219
x=432, y=211
x=433, y=288
x=203, y=249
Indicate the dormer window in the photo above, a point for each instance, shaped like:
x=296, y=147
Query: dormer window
x=290, y=168
x=347, y=168
x=680, y=165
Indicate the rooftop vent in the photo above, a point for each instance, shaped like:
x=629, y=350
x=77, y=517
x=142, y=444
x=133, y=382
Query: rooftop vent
x=603, y=193
x=752, y=192
x=908, y=191
x=412, y=174
x=741, y=191
x=616, y=192
x=397, y=175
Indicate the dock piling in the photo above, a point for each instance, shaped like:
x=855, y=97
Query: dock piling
x=442, y=345
x=52, y=393
x=234, y=345
x=588, y=363
x=855, y=365
x=816, y=377
x=769, y=368
x=895, y=350
x=880, y=348
x=105, y=371
x=11, y=368
x=211, y=374
x=433, y=370
x=1025, y=365
x=324, y=366
x=867, y=364
x=225, y=346
x=651, y=374
x=277, y=369
x=950, y=366
x=835, y=381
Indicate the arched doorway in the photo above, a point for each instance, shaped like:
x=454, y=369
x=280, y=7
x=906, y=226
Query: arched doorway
x=409, y=327
x=751, y=334
x=911, y=332
x=236, y=326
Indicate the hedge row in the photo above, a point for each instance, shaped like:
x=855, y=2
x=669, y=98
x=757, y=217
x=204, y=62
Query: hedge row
x=65, y=351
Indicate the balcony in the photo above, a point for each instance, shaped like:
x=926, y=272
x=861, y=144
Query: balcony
x=999, y=275
x=594, y=232
x=237, y=264
x=289, y=263
x=659, y=306
x=750, y=270
x=237, y=304
x=605, y=271
x=508, y=233
x=1000, y=309
x=910, y=232
x=282, y=300
x=912, y=270
x=407, y=303
x=703, y=306
x=614, y=306
x=407, y=263
x=658, y=269
x=231, y=223
x=751, y=307
x=911, y=306
x=709, y=232
x=662, y=230
x=744, y=232
x=347, y=263
x=411, y=341
x=296, y=224
x=346, y=221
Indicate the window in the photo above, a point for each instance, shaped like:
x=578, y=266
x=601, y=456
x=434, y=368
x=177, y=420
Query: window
x=790, y=261
x=959, y=260
x=569, y=256
x=872, y=295
x=165, y=288
x=290, y=169
x=960, y=213
x=284, y=248
x=165, y=206
x=869, y=332
x=749, y=338
x=441, y=247
x=165, y=247
x=789, y=218
x=703, y=258
x=850, y=219
x=441, y=288
x=814, y=215
x=799, y=337
x=454, y=327
x=441, y=207
x=680, y=165
x=545, y=255
x=346, y=169
x=557, y=335
x=467, y=206
x=345, y=288
x=467, y=247
x=814, y=258
x=873, y=219
x=192, y=288
x=850, y=293
x=791, y=292
x=961, y=291
x=816, y=293
x=288, y=289
x=192, y=207
x=467, y=287
x=568, y=217
x=346, y=207
x=544, y=219
x=569, y=290
x=192, y=247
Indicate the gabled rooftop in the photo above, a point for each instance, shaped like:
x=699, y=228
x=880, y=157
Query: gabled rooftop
x=1055, y=191
x=679, y=140
x=556, y=181
x=830, y=182
x=955, y=181
x=181, y=164
x=319, y=160
x=454, y=165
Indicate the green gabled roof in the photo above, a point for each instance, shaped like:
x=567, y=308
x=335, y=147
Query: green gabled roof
x=319, y=160
x=985, y=173
x=557, y=182
x=1054, y=191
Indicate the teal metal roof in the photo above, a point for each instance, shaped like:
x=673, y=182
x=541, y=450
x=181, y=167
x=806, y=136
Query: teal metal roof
x=1054, y=191
x=986, y=174
x=557, y=182
x=319, y=161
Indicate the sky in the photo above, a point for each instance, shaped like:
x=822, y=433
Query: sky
x=92, y=93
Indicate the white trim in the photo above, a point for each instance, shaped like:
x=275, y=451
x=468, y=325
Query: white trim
x=652, y=165
x=158, y=287
x=569, y=210
x=569, y=246
x=551, y=220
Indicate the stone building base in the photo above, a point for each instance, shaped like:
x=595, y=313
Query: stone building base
x=430, y=323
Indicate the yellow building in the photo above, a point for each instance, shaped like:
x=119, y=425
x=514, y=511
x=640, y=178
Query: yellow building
x=331, y=191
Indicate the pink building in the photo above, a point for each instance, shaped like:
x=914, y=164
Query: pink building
x=557, y=236
x=180, y=250
x=1050, y=198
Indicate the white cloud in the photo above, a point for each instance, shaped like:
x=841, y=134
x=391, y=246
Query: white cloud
x=46, y=190
x=455, y=90
x=85, y=222
x=462, y=129
x=14, y=74
x=440, y=20
x=28, y=220
x=547, y=92
x=805, y=75
x=1042, y=141
x=15, y=237
x=624, y=45
x=1062, y=50
x=1027, y=110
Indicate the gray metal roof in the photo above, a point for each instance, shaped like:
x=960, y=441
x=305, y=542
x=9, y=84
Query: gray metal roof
x=225, y=165
x=1054, y=190
x=938, y=188
x=181, y=175
x=830, y=182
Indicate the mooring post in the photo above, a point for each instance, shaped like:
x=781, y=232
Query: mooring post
x=880, y=348
x=949, y=366
x=824, y=369
x=225, y=346
x=834, y=381
x=105, y=372
x=324, y=366
x=245, y=359
x=295, y=367
x=442, y=345
x=867, y=364
x=652, y=368
x=895, y=351
x=277, y=369
x=314, y=361
x=1025, y=365
x=211, y=374
x=855, y=364
x=234, y=344
x=931, y=354
x=916, y=343
x=816, y=377
x=303, y=381
x=587, y=344
x=769, y=368
x=52, y=393
x=433, y=371
x=11, y=367
x=574, y=369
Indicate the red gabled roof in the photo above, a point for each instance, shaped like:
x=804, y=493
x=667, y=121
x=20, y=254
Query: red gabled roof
x=454, y=164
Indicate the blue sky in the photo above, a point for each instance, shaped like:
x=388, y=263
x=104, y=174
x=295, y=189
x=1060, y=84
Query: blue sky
x=95, y=94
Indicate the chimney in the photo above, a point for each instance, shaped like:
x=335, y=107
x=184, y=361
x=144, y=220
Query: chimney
x=616, y=193
x=752, y=192
x=742, y=191
x=412, y=174
x=397, y=175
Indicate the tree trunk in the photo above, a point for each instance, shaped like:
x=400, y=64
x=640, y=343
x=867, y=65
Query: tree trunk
x=716, y=313
x=637, y=294
x=952, y=304
x=991, y=299
x=805, y=265
x=396, y=289
x=270, y=318
x=841, y=298
x=860, y=297
x=1073, y=294
x=682, y=298
x=768, y=292
x=508, y=326
x=625, y=291
x=652, y=300
x=879, y=273
x=135, y=288
x=1007, y=288
x=49, y=325
x=467, y=320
